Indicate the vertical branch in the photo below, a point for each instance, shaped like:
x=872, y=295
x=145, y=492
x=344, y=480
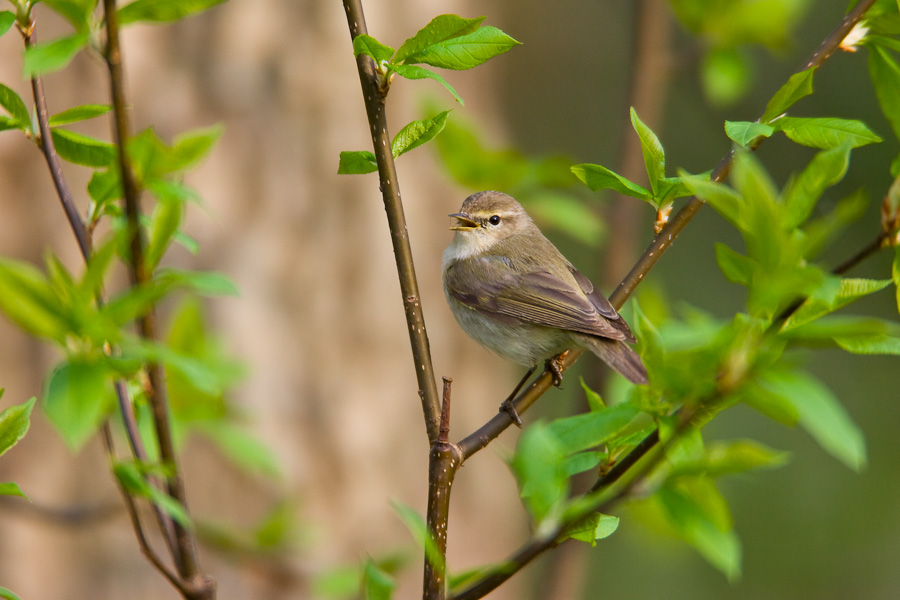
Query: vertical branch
x=390, y=190
x=444, y=460
x=197, y=584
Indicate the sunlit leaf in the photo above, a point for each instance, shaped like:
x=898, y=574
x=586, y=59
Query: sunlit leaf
x=77, y=397
x=416, y=72
x=162, y=11
x=14, y=424
x=47, y=57
x=79, y=113
x=798, y=86
x=416, y=133
x=439, y=29
x=744, y=132
x=597, y=177
x=356, y=163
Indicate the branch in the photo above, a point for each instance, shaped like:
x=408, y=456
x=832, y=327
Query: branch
x=374, y=99
x=660, y=244
x=194, y=584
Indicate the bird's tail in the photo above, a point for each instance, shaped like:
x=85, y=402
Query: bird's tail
x=619, y=356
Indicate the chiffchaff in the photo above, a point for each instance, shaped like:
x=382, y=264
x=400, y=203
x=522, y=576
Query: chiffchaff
x=513, y=292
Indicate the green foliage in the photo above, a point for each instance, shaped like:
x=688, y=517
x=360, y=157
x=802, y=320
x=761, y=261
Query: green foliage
x=6, y=21
x=8, y=595
x=798, y=86
x=133, y=477
x=14, y=424
x=663, y=190
x=375, y=584
x=54, y=55
x=162, y=11
x=18, y=113
x=77, y=398
x=413, y=135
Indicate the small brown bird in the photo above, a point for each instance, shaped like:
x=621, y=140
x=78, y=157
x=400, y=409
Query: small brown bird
x=513, y=292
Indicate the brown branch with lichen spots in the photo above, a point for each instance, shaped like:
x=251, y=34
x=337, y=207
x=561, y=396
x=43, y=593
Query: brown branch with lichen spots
x=374, y=98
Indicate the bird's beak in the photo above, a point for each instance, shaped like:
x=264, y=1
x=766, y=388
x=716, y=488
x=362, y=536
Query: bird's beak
x=464, y=222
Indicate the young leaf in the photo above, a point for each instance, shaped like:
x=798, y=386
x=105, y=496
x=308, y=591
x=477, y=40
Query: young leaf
x=104, y=187
x=14, y=424
x=47, y=57
x=595, y=402
x=736, y=267
x=651, y=148
x=8, y=595
x=28, y=300
x=798, y=86
x=699, y=514
x=165, y=221
x=414, y=72
x=83, y=150
x=821, y=414
x=464, y=52
x=16, y=108
x=10, y=489
x=722, y=198
x=744, y=132
x=132, y=479
x=537, y=465
x=826, y=133
x=242, y=448
x=440, y=29
x=376, y=583
x=584, y=431
x=356, y=163
x=208, y=283
x=162, y=11
x=366, y=44
x=826, y=169
x=6, y=20
x=419, y=530
x=885, y=74
x=79, y=113
x=597, y=178
x=595, y=527
x=829, y=298
x=191, y=147
x=416, y=133
x=869, y=345
x=76, y=399
x=76, y=12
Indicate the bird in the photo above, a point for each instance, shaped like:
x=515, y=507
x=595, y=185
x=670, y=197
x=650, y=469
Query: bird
x=511, y=290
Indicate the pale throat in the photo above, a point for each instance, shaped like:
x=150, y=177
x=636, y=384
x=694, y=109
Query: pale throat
x=466, y=244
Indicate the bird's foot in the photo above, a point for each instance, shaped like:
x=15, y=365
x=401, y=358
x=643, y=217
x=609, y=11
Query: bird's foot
x=510, y=408
x=555, y=366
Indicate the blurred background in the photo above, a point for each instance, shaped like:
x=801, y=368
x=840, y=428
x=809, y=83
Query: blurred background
x=319, y=323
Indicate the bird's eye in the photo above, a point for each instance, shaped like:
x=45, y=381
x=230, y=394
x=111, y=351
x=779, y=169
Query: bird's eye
x=494, y=220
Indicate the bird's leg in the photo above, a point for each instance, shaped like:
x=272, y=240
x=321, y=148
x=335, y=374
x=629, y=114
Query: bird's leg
x=508, y=406
x=555, y=366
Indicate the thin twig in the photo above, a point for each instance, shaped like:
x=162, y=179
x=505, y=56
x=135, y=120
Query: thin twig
x=196, y=585
x=390, y=190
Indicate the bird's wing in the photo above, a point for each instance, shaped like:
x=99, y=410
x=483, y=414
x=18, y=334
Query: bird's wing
x=492, y=286
x=602, y=304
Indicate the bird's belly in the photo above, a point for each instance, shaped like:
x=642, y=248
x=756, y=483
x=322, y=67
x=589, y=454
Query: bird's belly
x=523, y=343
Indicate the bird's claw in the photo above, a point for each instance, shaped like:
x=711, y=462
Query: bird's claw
x=555, y=366
x=510, y=408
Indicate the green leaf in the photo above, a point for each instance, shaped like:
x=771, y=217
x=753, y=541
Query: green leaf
x=726, y=75
x=885, y=74
x=820, y=413
x=595, y=402
x=538, y=466
x=208, y=283
x=597, y=178
x=736, y=267
x=28, y=300
x=104, y=187
x=730, y=457
x=651, y=148
x=700, y=515
x=165, y=221
x=584, y=431
x=79, y=113
x=6, y=20
x=465, y=51
x=416, y=133
x=76, y=12
x=414, y=72
x=439, y=29
x=798, y=86
x=83, y=150
x=16, y=108
x=419, y=530
x=191, y=147
x=14, y=424
x=8, y=595
x=826, y=169
x=826, y=133
x=162, y=11
x=829, y=298
x=722, y=198
x=376, y=583
x=10, y=489
x=744, y=132
x=895, y=274
x=595, y=527
x=356, y=163
x=242, y=448
x=47, y=57
x=366, y=44
x=132, y=478
x=870, y=345
x=77, y=397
